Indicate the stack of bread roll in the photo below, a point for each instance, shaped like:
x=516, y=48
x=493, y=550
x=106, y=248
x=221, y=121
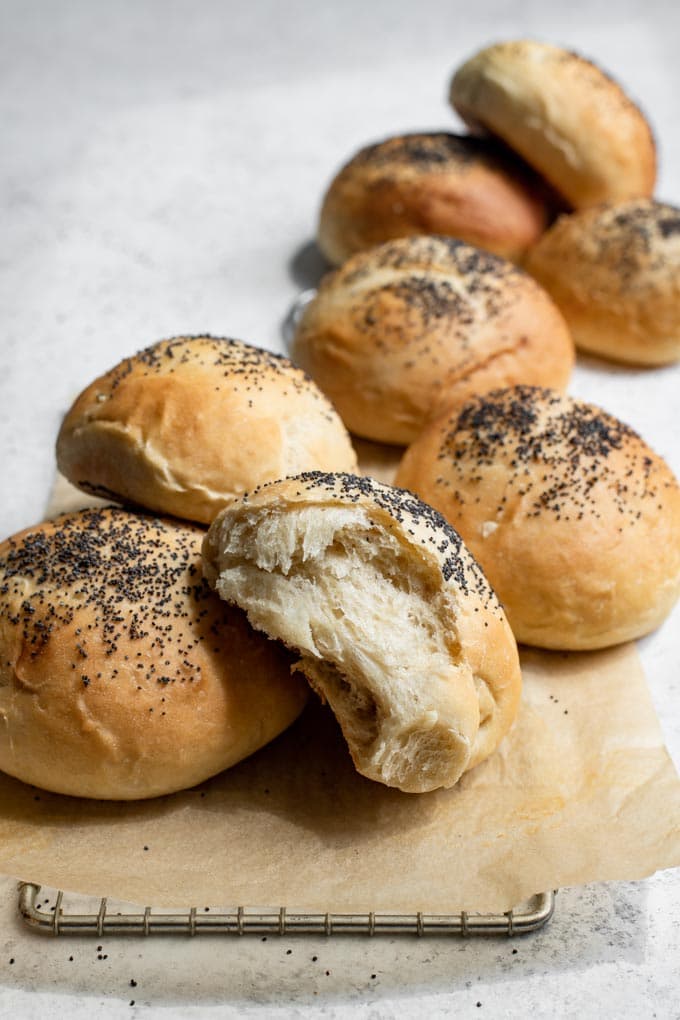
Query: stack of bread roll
x=124, y=675
x=147, y=645
x=558, y=174
x=426, y=336
x=611, y=261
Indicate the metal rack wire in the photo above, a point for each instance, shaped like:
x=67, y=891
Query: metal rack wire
x=294, y=314
x=281, y=921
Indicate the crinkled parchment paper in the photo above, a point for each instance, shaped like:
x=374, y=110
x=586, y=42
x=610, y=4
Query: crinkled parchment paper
x=581, y=790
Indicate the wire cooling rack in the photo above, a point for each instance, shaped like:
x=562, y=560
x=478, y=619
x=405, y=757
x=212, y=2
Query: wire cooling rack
x=65, y=916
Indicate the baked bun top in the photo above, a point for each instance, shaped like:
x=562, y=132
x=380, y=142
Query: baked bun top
x=433, y=183
x=614, y=271
x=393, y=622
x=188, y=423
x=574, y=519
x=122, y=675
x=417, y=325
x=563, y=115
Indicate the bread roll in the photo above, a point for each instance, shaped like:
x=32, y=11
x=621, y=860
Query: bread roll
x=189, y=423
x=408, y=329
x=437, y=183
x=122, y=676
x=563, y=115
x=615, y=274
x=573, y=518
x=394, y=624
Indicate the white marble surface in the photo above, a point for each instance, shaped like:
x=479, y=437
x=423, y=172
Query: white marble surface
x=161, y=166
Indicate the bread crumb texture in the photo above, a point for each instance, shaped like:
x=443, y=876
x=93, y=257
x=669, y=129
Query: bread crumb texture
x=395, y=624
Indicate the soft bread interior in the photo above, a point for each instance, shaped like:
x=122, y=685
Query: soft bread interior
x=374, y=627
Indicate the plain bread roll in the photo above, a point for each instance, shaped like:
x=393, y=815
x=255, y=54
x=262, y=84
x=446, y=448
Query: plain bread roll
x=568, y=119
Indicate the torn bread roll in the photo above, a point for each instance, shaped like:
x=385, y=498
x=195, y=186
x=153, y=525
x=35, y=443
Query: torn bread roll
x=189, y=423
x=404, y=331
x=122, y=675
x=562, y=114
x=433, y=183
x=573, y=518
x=395, y=625
x=614, y=273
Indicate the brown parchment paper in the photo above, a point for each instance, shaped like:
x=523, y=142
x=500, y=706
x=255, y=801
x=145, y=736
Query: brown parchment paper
x=581, y=790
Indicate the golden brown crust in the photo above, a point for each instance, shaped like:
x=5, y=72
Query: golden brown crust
x=575, y=521
x=415, y=326
x=433, y=183
x=614, y=271
x=186, y=424
x=564, y=115
x=122, y=676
